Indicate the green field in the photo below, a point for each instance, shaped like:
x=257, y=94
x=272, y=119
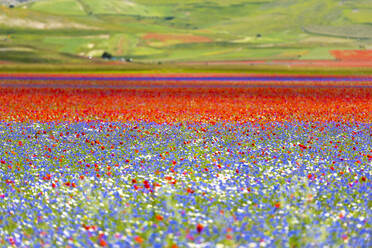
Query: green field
x=72, y=31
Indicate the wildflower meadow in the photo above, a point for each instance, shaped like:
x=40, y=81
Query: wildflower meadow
x=185, y=167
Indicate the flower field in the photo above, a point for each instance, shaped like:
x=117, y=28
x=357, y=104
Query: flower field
x=186, y=167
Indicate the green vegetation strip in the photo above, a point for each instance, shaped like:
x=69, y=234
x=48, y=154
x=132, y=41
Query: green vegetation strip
x=175, y=68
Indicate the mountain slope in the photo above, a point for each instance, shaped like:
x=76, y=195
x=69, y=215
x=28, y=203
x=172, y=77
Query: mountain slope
x=152, y=31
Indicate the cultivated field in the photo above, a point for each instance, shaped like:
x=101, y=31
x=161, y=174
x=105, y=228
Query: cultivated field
x=185, y=167
x=219, y=123
x=71, y=31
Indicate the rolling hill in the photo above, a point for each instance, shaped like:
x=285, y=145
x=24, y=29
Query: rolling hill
x=60, y=31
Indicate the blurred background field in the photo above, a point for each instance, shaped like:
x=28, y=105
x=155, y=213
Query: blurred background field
x=163, y=31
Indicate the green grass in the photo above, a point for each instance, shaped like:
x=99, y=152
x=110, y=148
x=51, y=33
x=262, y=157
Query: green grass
x=363, y=16
x=288, y=29
x=96, y=67
x=70, y=44
x=60, y=7
x=317, y=53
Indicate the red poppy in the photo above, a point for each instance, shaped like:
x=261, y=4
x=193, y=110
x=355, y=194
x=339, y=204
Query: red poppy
x=199, y=228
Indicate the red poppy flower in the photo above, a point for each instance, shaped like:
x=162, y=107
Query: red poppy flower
x=199, y=228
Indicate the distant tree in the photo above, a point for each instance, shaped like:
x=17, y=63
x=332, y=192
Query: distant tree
x=106, y=55
x=11, y=6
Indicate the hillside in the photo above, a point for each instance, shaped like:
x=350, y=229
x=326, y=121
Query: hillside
x=57, y=31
